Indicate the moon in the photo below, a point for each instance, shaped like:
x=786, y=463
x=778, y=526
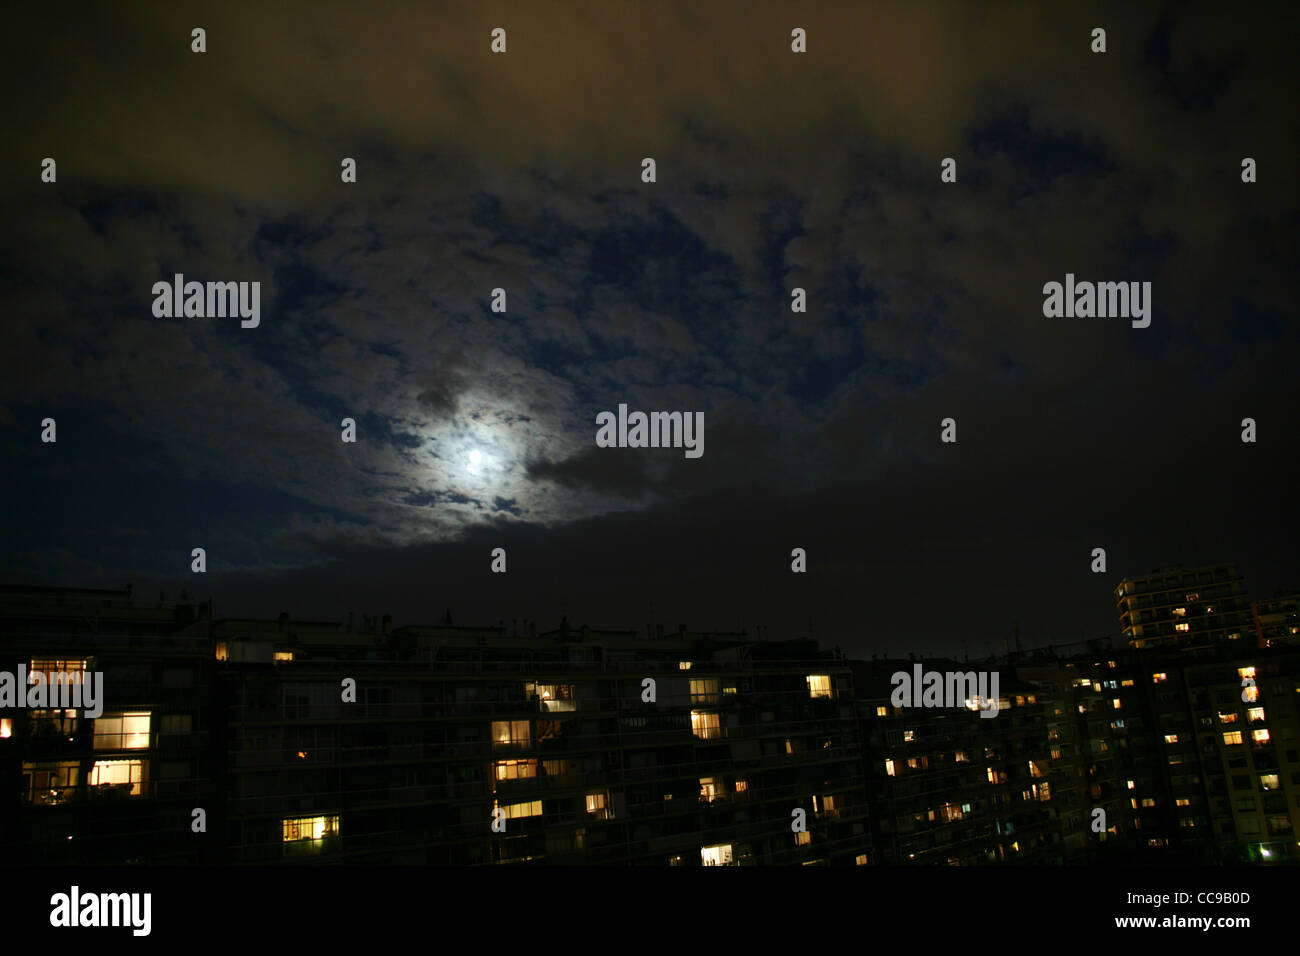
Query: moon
x=475, y=457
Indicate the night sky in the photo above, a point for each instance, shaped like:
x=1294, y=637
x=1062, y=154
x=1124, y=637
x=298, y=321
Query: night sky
x=775, y=170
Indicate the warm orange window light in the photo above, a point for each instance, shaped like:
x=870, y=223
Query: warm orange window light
x=513, y=811
x=719, y=854
x=706, y=724
x=506, y=732
x=69, y=672
x=122, y=731
x=516, y=769
x=309, y=828
x=819, y=685
x=127, y=774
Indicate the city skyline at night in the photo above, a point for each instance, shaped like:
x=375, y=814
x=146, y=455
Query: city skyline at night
x=830, y=464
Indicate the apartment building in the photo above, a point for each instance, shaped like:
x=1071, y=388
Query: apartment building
x=120, y=786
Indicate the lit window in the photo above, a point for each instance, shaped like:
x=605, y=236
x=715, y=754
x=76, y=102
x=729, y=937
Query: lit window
x=708, y=789
x=819, y=685
x=718, y=855
x=1260, y=736
x=1182, y=627
x=49, y=784
x=122, y=731
x=126, y=776
x=1131, y=784
x=1159, y=678
x=1148, y=801
x=684, y=665
x=1171, y=738
x=510, y=733
x=552, y=697
x=223, y=651
x=1232, y=737
x=598, y=803
x=1194, y=596
x=960, y=756
x=1180, y=612
x=57, y=671
x=1268, y=781
x=882, y=711
x=802, y=838
x=950, y=812
x=889, y=767
x=1115, y=703
x=706, y=724
x=1127, y=683
x=860, y=859
x=741, y=786
x=1227, y=718
x=6, y=728
x=909, y=736
x=1254, y=714
x=1244, y=672
x=704, y=691
x=309, y=828
x=513, y=811
x=516, y=769
x=284, y=655
x=1182, y=802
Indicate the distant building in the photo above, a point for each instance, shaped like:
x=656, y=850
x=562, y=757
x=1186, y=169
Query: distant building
x=443, y=729
x=1185, y=607
x=119, y=788
x=318, y=742
x=948, y=786
x=1277, y=620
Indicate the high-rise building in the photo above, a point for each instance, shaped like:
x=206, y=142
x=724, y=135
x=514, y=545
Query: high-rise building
x=1185, y=607
x=1277, y=620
